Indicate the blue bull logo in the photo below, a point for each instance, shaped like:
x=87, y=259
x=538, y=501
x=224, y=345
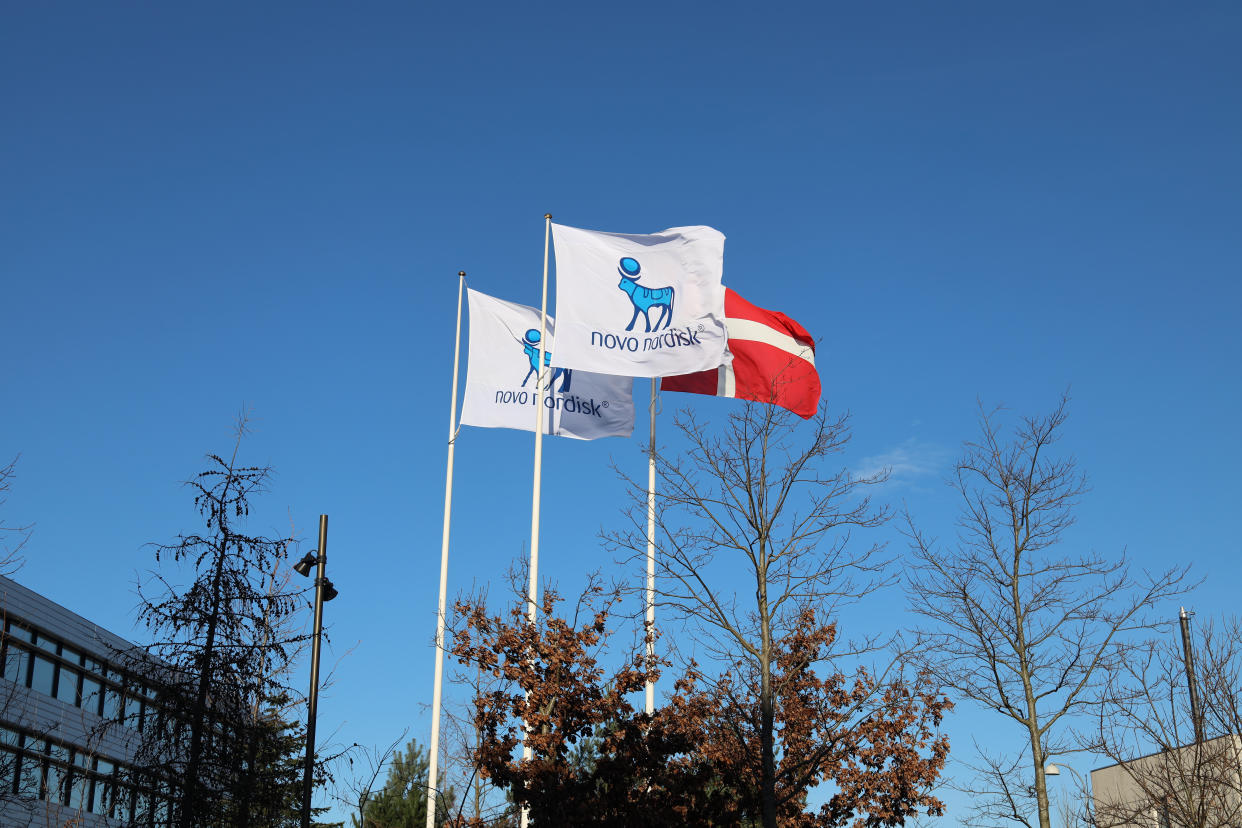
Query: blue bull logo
x=530, y=345
x=645, y=298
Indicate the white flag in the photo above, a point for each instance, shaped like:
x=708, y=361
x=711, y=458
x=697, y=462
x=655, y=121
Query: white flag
x=641, y=306
x=501, y=379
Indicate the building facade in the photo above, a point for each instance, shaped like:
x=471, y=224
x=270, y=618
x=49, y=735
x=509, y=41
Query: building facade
x=1195, y=786
x=70, y=715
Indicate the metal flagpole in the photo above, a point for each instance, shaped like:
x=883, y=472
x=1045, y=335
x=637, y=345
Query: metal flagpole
x=532, y=609
x=532, y=593
x=651, y=529
x=434, y=749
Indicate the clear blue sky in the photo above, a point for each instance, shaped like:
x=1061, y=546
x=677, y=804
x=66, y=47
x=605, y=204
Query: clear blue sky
x=210, y=205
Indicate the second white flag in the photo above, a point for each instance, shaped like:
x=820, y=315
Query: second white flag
x=502, y=376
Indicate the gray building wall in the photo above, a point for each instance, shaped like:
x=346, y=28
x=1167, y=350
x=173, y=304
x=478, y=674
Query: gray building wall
x=66, y=725
x=1158, y=790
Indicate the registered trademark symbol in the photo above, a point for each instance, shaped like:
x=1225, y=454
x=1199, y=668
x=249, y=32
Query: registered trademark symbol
x=605, y=403
x=700, y=326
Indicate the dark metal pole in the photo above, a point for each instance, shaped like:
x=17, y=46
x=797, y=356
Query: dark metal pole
x=1196, y=714
x=313, y=702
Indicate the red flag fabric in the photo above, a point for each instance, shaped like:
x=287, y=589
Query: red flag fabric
x=773, y=361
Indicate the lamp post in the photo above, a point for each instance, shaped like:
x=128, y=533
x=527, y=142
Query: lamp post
x=1055, y=770
x=324, y=591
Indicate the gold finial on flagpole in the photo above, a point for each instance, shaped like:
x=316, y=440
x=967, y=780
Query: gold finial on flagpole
x=547, y=216
x=461, y=273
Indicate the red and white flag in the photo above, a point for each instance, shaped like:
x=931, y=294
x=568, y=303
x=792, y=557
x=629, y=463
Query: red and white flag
x=773, y=361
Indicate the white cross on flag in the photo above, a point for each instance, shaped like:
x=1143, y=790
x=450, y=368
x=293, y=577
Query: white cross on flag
x=502, y=377
x=640, y=306
x=773, y=361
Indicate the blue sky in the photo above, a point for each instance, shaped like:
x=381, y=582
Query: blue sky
x=205, y=207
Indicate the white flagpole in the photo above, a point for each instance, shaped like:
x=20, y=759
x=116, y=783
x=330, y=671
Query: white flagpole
x=532, y=609
x=532, y=594
x=434, y=748
x=651, y=529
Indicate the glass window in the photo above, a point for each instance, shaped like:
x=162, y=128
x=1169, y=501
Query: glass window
x=92, y=694
x=57, y=774
x=123, y=802
x=19, y=632
x=29, y=777
x=15, y=663
x=112, y=704
x=162, y=817
x=8, y=771
x=43, y=675
x=122, y=808
x=69, y=654
x=10, y=737
x=67, y=685
x=133, y=712
x=80, y=787
x=46, y=643
x=79, y=791
x=101, y=795
x=142, y=808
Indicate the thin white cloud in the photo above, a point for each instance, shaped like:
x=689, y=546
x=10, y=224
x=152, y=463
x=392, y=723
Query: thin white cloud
x=907, y=462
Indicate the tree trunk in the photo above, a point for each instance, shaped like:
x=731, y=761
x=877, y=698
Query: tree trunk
x=1024, y=671
x=199, y=719
x=1041, y=782
x=246, y=795
x=767, y=707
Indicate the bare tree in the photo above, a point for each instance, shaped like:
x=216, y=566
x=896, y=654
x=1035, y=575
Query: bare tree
x=1017, y=625
x=13, y=698
x=1147, y=728
x=12, y=538
x=482, y=803
x=358, y=781
x=755, y=494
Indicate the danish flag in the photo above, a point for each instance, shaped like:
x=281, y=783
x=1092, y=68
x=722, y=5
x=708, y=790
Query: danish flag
x=773, y=361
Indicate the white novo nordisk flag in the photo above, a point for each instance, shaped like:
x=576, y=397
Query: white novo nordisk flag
x=641, y=306
x=501, y=379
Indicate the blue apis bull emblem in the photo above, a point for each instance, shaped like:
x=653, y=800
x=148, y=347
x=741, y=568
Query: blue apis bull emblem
x=531, y=346
x=645, y=298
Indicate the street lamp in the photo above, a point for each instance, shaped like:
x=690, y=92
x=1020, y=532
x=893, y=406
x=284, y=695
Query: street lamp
x=1055, y=770
x=324, y=591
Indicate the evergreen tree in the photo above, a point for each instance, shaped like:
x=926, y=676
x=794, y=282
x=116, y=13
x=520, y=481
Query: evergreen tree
x=212, y=743
x=271, y=786
x=402, y=802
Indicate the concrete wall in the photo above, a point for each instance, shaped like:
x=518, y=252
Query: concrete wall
x=1159, y=790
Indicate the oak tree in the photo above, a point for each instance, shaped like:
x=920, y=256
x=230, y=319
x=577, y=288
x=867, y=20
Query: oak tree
x=757, y=496
x=696, y=760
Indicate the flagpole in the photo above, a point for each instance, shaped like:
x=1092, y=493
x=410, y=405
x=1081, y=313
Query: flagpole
x=651, y=528
x=434, y=749
x=532, y=592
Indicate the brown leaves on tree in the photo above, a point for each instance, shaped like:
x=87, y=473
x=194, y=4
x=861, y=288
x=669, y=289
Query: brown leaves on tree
x=872, y=746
